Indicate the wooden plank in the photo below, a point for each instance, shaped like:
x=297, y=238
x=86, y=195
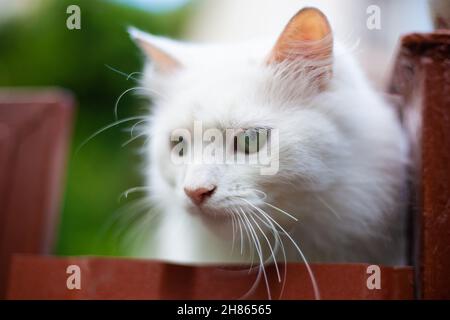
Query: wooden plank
x=34, y=130
x=422, y=78
x=38, y=277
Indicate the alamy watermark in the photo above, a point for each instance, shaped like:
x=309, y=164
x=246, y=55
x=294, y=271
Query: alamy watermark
x=257, y=147
x=373, y=21
x=73, y=281
x=73, y=21
x=374, y=279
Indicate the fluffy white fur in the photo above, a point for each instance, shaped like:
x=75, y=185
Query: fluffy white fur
x=342, y=156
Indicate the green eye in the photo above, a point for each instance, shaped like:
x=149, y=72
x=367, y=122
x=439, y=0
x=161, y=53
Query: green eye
x=251, y=140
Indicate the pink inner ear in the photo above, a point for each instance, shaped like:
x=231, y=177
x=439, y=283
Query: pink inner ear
x=163, y=61
x=307, y=35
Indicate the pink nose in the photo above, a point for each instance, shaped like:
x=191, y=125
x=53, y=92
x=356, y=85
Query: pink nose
x=199, y=195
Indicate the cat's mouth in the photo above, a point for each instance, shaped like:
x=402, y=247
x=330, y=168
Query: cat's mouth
x=223, y=210
x=218, y=213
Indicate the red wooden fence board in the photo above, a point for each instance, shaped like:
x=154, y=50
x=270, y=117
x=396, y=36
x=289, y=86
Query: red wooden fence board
x=107, y=278
x=34, y=129
x=422, y=78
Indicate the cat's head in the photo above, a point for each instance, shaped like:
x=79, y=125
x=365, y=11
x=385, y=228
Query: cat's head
x=257, y=100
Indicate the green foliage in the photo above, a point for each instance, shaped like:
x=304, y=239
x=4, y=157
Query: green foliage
x=38, y=49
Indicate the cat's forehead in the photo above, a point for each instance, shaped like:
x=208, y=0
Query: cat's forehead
x=217, y=113
x=222, y=87
x=221, y=95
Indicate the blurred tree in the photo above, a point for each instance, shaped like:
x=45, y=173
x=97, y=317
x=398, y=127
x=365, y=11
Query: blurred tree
x=38, y=48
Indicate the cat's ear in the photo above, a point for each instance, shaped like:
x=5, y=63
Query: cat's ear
x=306, y=38
x=157, y=49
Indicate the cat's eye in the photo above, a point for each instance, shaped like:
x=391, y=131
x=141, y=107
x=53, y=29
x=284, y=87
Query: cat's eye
x=179, y=146
x=250, y=140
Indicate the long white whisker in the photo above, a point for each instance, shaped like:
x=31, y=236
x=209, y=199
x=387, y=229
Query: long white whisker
x=132, y=216
x=251, y=248
x=132, y=74
x=268, y=225
x=133, y=190
x=270, y=247
x=116, y=105
x=132, y=139
x=259, y=274
x=141, y=228
x=285, y=262
x=282, y=211
x=270, y=257
x=326, y=205
x=106, y=128
x=260, y=253
x=125, y=217
x=135, y=125
x=128, y=76
x=233, y=228
x=310, y=272
x=241, y=237
x=129, y=210
x=283, y=250
x=261, y=192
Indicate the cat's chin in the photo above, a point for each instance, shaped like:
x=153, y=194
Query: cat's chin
x=216, y=215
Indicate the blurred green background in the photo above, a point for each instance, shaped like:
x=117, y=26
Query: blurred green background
x=36, y=49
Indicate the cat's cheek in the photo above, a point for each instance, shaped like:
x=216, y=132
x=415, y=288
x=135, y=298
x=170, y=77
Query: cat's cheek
x=168, y=171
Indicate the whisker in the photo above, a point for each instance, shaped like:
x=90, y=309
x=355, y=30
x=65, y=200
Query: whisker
x=326, y=205
x=116, y=105
x=270, y=248
x=260, y=253
x=128, y=76
x=123, y=218
x=116, y=123
x=259, y=274
x=282, y=211
x=260, y=192
x=233, y=227
x=120, y=212
x=264, y=222
x=242, y=239
x=132, y=139
x=133, y=190
x=310, y=272
x=136, y=124
x=268, y=225
x=233, y=220
x=142, y=226
x=251, y=248
x=132, y=216
x=280, y=241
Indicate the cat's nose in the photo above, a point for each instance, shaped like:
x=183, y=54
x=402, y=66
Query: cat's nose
x=199, y=195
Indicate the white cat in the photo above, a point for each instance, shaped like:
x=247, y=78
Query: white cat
x=342, y=154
